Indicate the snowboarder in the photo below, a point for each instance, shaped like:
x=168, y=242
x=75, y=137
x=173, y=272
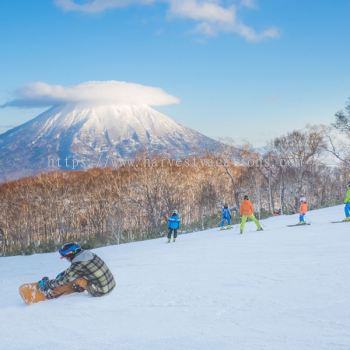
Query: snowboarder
x=302, y=210
x=347, y=203
x=247, y=212
x=85, y=266
x=173, y=225
x=225, y=216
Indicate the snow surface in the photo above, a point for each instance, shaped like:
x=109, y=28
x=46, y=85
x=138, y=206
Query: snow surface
x=280, y=289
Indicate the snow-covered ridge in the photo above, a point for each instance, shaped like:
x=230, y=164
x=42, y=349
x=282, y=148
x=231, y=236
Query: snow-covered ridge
x=120, y=121
x=283, y=288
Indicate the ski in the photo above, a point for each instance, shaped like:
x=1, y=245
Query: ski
x=306, y=224
x=339, y=222
x=229, y=227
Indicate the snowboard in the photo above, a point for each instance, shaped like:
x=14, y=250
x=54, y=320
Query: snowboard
x=228, y=227
x=306, y=224
x=31, y=294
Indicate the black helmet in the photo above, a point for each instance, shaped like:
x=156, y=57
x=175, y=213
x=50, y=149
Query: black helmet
x=225, y=206
x=70, y=250
x=246, y=197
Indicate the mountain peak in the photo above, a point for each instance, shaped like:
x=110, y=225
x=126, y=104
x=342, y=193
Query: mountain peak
x=89, y=131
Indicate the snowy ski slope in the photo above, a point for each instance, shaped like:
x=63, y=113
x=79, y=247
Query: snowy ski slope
x=281, y=289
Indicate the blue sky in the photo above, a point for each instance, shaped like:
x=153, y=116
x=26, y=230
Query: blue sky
x=245, y=69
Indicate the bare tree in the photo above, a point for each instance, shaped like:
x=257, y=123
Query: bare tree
x=300, y=152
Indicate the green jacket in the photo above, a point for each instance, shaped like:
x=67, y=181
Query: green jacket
x=89, y=266
x=347, y=197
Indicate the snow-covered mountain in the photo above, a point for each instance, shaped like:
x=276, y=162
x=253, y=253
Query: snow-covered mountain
x=94, y=135
x=286, y=288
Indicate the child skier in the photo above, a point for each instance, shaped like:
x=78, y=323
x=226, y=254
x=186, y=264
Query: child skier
x=173, y=225
x=225, y=216
x=347, y=203
x=302, y=210
x=247, y=212
x=87, y=272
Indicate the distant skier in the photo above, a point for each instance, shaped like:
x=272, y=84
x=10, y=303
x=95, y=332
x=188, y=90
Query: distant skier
x=173, y=225
x=347, y=203
x=88, y=270
x=247, y=212
x=302, y=210
x=225, y=216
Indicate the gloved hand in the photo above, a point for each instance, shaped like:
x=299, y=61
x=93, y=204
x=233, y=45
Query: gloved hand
x=77, y=288
x=43, y=284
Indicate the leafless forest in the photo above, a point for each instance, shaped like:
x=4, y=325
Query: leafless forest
x=113, y=206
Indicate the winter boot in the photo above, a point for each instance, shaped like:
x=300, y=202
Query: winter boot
x=260, y=229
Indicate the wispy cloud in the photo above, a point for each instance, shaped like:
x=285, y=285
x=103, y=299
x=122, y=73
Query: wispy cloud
x=40, y=94
x=211, y=16
x=249, y=3
x=201, y=11
x=95, y=6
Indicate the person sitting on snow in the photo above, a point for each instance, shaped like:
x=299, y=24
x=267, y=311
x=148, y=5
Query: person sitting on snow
x=347, y=203
x=225, y=216
x=173, y=225
x=247, y=212
x=87, y=269
x=302, y=210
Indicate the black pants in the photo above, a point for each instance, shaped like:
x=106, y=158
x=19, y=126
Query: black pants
x=171, y=230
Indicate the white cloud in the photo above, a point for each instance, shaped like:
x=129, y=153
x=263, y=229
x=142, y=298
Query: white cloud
x=209, y=11
x=249, y=3
x=251, y=34
x=95, y=6
x=214, y=19
x=211, y=16
x=41, y=94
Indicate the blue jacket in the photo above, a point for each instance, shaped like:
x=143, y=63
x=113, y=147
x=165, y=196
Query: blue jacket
x=174, y=222
x=225, y=213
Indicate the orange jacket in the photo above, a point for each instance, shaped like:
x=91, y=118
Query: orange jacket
x=303, y=208
x=246, y=208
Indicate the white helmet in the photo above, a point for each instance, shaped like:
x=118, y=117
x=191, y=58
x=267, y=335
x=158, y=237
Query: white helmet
x=175, y=211
x=302, y=199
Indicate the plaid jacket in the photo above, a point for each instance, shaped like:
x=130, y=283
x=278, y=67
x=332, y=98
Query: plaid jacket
x=89, y=266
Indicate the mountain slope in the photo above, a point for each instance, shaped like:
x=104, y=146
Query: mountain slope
x=90, y=134
x=283, y=288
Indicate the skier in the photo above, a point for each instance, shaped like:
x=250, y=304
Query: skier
x=347, y=203
x=225, y=216
x=88, y=271
x=173, y=225
x=247, y=212
x=302, y=210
